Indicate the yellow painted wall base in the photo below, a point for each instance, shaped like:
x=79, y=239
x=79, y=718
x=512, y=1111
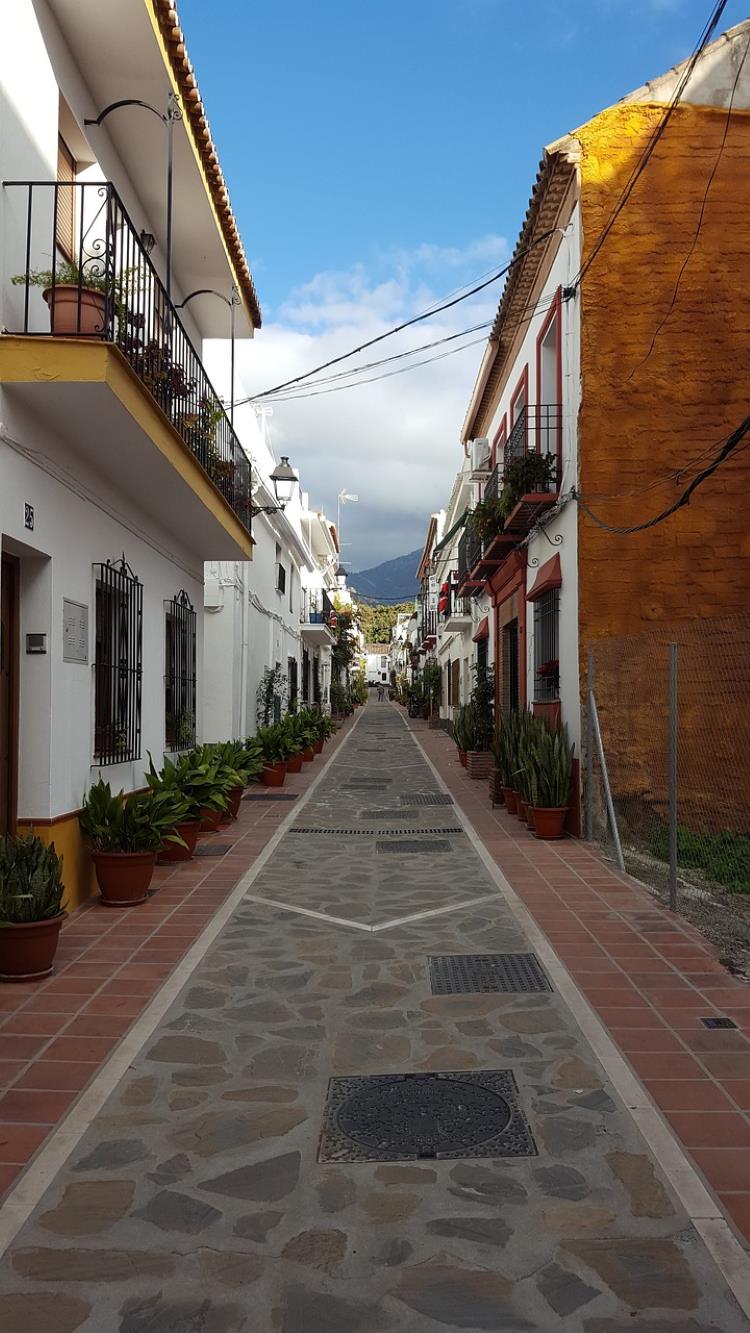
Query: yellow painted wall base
x=78, y=872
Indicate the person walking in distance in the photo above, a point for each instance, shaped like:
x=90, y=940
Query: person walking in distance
x=381, y=694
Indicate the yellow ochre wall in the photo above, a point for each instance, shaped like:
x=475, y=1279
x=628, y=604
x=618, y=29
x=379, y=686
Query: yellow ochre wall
x=653, y=399
x=78, y=871
x=644, y=414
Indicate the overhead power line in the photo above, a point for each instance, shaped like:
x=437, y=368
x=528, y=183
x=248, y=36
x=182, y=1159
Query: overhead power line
x=387, y=374
x=407, y=323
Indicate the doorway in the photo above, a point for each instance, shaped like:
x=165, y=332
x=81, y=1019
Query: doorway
x=8, y=692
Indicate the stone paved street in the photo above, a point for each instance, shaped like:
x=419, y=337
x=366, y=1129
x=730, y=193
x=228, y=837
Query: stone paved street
x=196, y=1200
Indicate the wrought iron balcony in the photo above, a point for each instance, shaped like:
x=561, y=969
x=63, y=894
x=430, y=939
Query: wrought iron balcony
x=103, y=286
x=317, y=608
x=533, y=449
x=457, y=614
x=428, y=626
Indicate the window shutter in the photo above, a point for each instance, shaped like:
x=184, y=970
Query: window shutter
x=66, y=174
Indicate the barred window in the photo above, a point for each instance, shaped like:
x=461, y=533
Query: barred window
x=180, y=623
x=510, y=697
x=118, y=664
x=547, y=645
x=292, y=675
x=316, y=679
x=305, y=676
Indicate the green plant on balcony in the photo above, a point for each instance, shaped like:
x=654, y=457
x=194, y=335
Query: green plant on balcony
x=486, y=519
x=530, y=472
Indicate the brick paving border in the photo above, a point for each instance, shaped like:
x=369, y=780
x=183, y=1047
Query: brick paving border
x=648, y=975
x=56, y=1034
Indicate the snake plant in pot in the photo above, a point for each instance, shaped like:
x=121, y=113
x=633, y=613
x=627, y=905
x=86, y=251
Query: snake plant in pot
x=276, y=743
x=125, y=833
x=31, y=911
x=552, y=759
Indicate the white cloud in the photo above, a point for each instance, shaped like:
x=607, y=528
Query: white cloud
x=393, y=442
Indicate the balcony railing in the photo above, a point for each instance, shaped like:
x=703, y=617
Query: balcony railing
x=317, y=608
x=458, y=605
x=428, y=627
x=107, y=289
x=538, y=430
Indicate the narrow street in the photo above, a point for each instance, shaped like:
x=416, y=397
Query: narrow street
x=226, y=1184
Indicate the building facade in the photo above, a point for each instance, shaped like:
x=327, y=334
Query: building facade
x=120, y=470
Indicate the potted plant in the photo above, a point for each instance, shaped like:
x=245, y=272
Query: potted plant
x=171, y=778
x=124, y=834
x=76, y=297
x=431, y=686
x=295, y=723
x=479, y=760
x=486, y=519
x=31, y=911
x=553, y=768
x=529, y=472
x=276, y=745
x=463, y=731
x=505, y=754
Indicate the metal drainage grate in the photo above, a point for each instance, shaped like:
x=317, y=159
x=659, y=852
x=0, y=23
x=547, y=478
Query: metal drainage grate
x=388, y=814
x=258, y=796
x=213, y=849
x=410, y=845
x=412, y=1117
x=477, y=973
x=427, y=798
x=718, y=1023
x=366, y=784
x=372, y=832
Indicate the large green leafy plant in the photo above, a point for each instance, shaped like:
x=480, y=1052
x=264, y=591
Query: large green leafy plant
x=530, y=472
x=141, y=822
x=31, y=886
x=551, y=759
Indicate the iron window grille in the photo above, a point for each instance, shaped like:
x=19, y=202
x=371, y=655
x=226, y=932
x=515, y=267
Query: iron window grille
x=118, y=664
x=180, y=672
x=316, y=679
x=280, y=578
x=510, y=694
x=547, y=645
x=292, y=671
x=305, y=676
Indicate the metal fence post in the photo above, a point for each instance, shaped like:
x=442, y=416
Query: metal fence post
x=673, y=777
x=590, y=750
x=605, y=779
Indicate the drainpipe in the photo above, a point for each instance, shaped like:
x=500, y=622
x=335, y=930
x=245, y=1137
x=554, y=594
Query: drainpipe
x=245, y=653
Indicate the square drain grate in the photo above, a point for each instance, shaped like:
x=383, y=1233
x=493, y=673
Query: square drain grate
x=412, y=845
x=483, y=973
x=718, y=1023
x=427, y=798
x=417, y=1117
x=261, y=796
x=213, y=849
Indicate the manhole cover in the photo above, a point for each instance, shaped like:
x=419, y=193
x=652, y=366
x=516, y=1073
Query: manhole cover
x=405, y=1117
x=411, y=845
x=469, y=974
x=427, y=798
x=718, y=1023
x=213, y=849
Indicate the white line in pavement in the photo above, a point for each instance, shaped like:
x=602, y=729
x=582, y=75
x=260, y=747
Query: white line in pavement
x=24, y=1197
x=308, y=911
x=703, y=1211
x=432, y=911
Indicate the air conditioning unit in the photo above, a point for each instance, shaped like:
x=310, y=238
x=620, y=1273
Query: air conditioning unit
x=481, y=457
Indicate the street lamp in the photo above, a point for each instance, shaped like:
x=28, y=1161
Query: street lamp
x=284, y=480
x=168, y=118
x=232, y=301
x=341, y=577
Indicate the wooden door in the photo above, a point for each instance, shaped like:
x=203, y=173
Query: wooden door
x=8, y=692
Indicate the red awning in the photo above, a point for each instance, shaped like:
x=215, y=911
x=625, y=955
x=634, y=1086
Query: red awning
x=483, y=632
x=549, y=576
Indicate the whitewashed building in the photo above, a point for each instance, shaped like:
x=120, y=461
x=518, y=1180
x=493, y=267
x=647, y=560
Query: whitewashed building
x=120, y=473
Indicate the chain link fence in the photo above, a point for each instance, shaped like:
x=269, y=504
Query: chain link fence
x=668, y=769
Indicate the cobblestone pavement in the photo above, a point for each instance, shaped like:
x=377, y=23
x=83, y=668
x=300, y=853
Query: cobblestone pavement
x=196, y=1202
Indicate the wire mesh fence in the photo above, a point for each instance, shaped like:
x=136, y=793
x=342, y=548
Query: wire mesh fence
x=672, y=744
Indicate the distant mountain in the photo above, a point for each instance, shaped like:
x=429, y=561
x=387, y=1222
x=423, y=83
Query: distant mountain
x=392, y=579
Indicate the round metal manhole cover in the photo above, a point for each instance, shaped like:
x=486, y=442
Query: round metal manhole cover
x=427, y=1116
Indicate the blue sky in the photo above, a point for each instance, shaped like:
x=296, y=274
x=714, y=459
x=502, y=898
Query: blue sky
x=380, y=153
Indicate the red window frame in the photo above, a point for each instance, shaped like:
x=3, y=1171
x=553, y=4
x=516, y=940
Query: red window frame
x=553, y=314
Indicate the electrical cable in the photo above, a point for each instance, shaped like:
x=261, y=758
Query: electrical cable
x=406, y=324
x=337, y=388
x=731, y=443
x=701, y=215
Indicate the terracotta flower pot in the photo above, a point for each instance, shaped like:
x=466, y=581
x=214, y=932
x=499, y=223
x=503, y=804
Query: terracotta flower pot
x=521, y=808
x=308, y=755
x=479, y=763
x=210, y=819
x=171, y=851
x=123, y=877
x=530, y=817
x=549, y=823
x=63, y=305
x=318, y=746
x=294, y=763
x=511, y=800
x=234, y=798
x=273, y=775
x=27, y=948
x=462, y=758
